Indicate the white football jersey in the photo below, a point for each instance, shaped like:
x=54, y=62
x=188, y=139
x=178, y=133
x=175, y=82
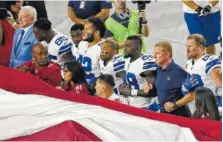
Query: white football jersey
x=89, y=58
x=75, y=53
x=135, y=80
x=114, y=66
x=203, y=67
x=117, y=98
x=58, y=46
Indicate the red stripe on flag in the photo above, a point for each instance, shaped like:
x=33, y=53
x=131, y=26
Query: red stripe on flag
x=66, y=131
x=12, y=80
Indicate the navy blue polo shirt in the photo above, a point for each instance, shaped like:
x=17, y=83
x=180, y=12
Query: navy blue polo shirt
x=91, y=7
x=168, y=83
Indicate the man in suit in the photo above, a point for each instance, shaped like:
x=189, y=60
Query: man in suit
x=24, y=38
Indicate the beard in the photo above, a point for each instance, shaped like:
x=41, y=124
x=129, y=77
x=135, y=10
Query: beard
x=102, y=58
x=106, y=57
x=77, y=43
x=126, y=55
x=90, y=38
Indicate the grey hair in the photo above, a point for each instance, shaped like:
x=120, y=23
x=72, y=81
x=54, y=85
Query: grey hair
x=198, y=38
x=31, y=10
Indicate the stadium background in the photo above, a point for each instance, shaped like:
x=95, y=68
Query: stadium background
x=165, y=20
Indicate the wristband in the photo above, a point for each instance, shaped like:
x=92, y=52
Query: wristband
x=134, y=92
x=144, y=22
x=198, y=9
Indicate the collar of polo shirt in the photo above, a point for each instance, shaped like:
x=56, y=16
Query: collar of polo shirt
x=169, y=67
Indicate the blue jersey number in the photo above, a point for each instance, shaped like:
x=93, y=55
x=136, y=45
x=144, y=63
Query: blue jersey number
x=146, y=57
x=131, y=79
x=205, y=58
x=87, y=65
x=60, y=40
x=80, y=59
x=74, y=58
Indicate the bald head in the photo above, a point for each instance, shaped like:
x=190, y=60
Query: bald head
x=38, y=46
x=40, y=54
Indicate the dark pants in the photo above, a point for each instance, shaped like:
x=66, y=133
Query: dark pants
x=181, y=111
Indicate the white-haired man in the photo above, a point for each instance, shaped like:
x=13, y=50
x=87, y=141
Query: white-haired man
x=24, y=38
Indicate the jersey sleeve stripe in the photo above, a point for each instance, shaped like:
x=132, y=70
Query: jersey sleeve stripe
x=65, y=51
x=207, y=71
x=119, y=63
x=120, y=68
x=74, y=58
x=151, y=66
x=212, y=64
x=117, y=57
x=52, y=57
x=148, y=63
x=65, y=47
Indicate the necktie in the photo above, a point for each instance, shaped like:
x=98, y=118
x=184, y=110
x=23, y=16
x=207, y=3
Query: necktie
x=19, y=42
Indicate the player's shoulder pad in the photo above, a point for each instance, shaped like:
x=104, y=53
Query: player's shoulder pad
x=82, y=44
x=208, y=58
x=212, y=61
x=213, y=57
x=118, y=63
x=147, y=57
x=149, y=62
x=101, y=43
x=117, y=58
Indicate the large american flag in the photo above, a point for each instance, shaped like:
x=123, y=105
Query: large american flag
x=30, y=109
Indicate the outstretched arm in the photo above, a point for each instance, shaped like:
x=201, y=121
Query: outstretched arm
x=74, y=17
x=103, y=14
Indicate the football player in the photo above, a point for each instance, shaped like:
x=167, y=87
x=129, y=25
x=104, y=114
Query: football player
x=89, y=50
x=59, y=45
x=112, y=63
x=138, y=68
x=76, y=34
x=203, y=70
x=105, y=88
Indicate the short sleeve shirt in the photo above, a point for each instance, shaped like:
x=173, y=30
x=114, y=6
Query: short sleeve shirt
x=89, y=8
x=168, y=83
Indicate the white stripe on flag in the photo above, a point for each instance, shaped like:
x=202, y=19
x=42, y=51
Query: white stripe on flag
x=22, y=115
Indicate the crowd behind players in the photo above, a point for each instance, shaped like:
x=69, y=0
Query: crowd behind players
x=106, y=57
